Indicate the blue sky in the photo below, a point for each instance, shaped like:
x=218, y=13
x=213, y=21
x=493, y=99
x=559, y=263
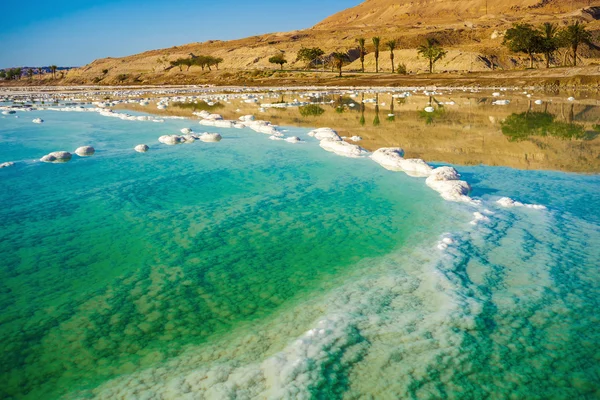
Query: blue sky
x=72, y=33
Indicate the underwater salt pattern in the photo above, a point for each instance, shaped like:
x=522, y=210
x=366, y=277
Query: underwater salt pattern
x=254, y=269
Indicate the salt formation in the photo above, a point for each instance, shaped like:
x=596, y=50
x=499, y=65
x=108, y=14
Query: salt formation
x=141, y=148
x=85, y=151
x=508, y=202
x=7, y=164
x=429, y=109
x=293, y=139
x=445, y=181
x=170, y=139
x=186, y=131
x=324, y=133
x=37, y=121
x=342, y=148
x=392, y=158
x=210, y=137
x=57, y=157
x=501, y=102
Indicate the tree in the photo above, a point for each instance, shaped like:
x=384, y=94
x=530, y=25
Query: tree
x=2, y=74
x=573, y=36
x=392, y=46
x=549, y=41
x=523, y=38
x=53, y=70
x=339, y=59
x=18, y=72
x=216, y=61
x=30, y=73
x=362, y=52
x=433, y=51
x=376, y=41
x=309, y=55
x=177, y=63
x=278, y=59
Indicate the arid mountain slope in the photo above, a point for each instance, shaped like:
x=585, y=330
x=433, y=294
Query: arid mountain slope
x=469, y=34
x=406, y=12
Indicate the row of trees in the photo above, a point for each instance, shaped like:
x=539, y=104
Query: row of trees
x=546, y=40
x=521, y=38
x=431, y=50
x=17, y=73
x=200, y=61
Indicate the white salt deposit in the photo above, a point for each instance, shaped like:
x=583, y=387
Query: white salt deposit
x=508, y=202
x=445, y=181
x=141, y=148
x=7, y=164
x=85, y=151
x=57, y=157
x=342, y=148
x=210, y=137
x=37, y=121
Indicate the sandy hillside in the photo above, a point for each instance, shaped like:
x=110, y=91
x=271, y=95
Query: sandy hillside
x=471, y=37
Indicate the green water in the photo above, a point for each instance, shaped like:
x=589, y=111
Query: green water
x=121, y=260
x=251, y=268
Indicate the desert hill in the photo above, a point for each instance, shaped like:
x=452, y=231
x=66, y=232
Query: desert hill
x=471, y=36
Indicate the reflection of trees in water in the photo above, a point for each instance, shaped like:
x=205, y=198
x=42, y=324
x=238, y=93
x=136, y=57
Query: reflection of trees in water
x=376, y=120
x=391, y=116
x=430, y=117
x=521, y=126
x=362, y=110
x=313, y=110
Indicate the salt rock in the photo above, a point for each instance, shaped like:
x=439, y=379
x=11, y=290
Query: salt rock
x=186, y=131
x=429, y=109
x=415, y=167
x=356, y=138
x=389, y=157
x=57, y=157
x=85, y=151
x=341, y=148
x=37, y=121
x=141, y=148
x=170, y=139
x=210, y=137
x=187, y=139
x=445, y=181
x=324, y=133
x=7, y=164
x=293, y=139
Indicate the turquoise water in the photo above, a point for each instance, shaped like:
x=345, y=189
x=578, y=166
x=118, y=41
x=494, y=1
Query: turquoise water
x=253, y=268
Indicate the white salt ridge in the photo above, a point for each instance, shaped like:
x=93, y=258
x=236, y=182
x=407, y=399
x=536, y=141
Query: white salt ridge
x=7, y=164
x=324, y=133
x=446, y=181
x=342, y=148
x=392, y=158
x=508, y=202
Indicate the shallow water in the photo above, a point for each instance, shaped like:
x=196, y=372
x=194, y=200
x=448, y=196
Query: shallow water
x=254, y=268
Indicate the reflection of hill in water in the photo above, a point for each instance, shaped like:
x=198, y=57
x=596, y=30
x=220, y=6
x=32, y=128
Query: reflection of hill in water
x=554, y=135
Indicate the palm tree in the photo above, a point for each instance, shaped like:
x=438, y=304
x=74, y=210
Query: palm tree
x=362, y=51
x=549, y=42
x=53, y=70
x=30, y=73
x=339, y=59
x=574, y=35
x=432, y=51
x=376, y=41
x=391, y=45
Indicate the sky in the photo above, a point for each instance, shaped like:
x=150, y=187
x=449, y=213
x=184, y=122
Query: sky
x=76, y=32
